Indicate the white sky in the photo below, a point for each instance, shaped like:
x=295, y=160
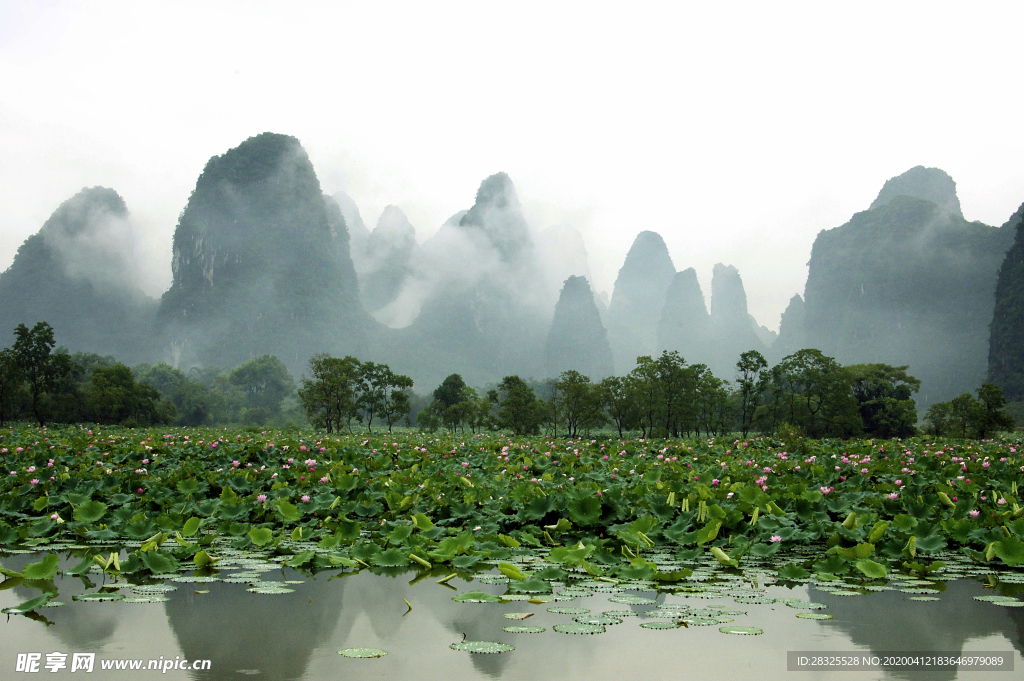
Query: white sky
x=736, y=131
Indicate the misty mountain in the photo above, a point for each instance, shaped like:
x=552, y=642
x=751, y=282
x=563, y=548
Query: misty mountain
x=908, y=282
x=562, y=254
x=1006, y=343
x=78, y=273
x=685, y=325
x=256, y=268
x=732, y=327
x=475, y=301
x=389, y=253
x=638, y=299
x=930, y=184
x=792, y=334
x=577, y=340
x=357, y=232
x=497, y=216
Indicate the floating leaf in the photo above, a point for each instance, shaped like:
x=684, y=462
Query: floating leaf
x=742, y=631
x=603, y=620
x=476, y=597
x=363, y=652
x=482, y=647
x=98, y=596
x=660, y=625
x=524, y=630
x=813, y=616
x=28, y=606
x=44, y=569
x=575, y=628
x=569, y=611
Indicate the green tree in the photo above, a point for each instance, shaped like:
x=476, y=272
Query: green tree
x=751, y=382
x=618, y=402
x=43, y=369
x=450, y=391
x=713, y=399
x=265, y=382
x=646, y=393
x=673, y=383
x=817, y=392
x=940, y=417
x=395, y=403
x=114, y=396
x=329, y=398
x=963, y=413
x=883, y=395
x=194, y=403
x=11, y=381
x=518, y=407
x=990, y=414
x=382, y=393
x=577, y=401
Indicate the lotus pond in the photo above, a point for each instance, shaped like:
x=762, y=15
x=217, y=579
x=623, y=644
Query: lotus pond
x=480, y=555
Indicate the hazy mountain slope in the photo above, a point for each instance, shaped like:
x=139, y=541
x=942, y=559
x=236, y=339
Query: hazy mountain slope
x=78, y=274
x=256, y=267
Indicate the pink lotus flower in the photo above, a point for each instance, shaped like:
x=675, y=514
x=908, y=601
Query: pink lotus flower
x=305, y=499
x=33, y=482
x=261, y=498
x=973, y=513
x=893, y=496
x=775, y=539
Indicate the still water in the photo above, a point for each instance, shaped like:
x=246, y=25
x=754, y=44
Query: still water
x=297, y=635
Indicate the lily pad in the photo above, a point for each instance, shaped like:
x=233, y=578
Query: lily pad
x=741, y=631
x=813, y=616
x=363, y=652
x=524, y=630
x=482, y=647
x=569, y=611
x=575, y=628
x=602, y=620
x=660, y=625
x=476, y=597
x=97, y=596
x=924, y=598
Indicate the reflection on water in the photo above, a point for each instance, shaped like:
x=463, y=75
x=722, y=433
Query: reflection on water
x=297, y=635
x=888, y=621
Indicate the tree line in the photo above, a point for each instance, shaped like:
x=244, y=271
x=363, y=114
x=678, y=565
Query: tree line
x=807, y=392
x=45, y=383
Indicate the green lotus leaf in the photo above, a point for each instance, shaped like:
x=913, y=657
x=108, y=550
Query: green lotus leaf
x=261, y=536
x=482, y=647
x=90, y=512
x=44, y=569
x=1010, y=550
x=29, y=606
x=871, y=569
x=191, y=527
x=476, y=597
x=287, y=510
x=793, y=572
x=363, y=652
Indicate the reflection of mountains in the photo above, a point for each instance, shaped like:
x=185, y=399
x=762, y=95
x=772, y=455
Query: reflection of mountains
x=888, y=621
x=238, y=630
x=80, y=628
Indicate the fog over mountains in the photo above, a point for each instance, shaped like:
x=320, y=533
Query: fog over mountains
x=264, y=262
